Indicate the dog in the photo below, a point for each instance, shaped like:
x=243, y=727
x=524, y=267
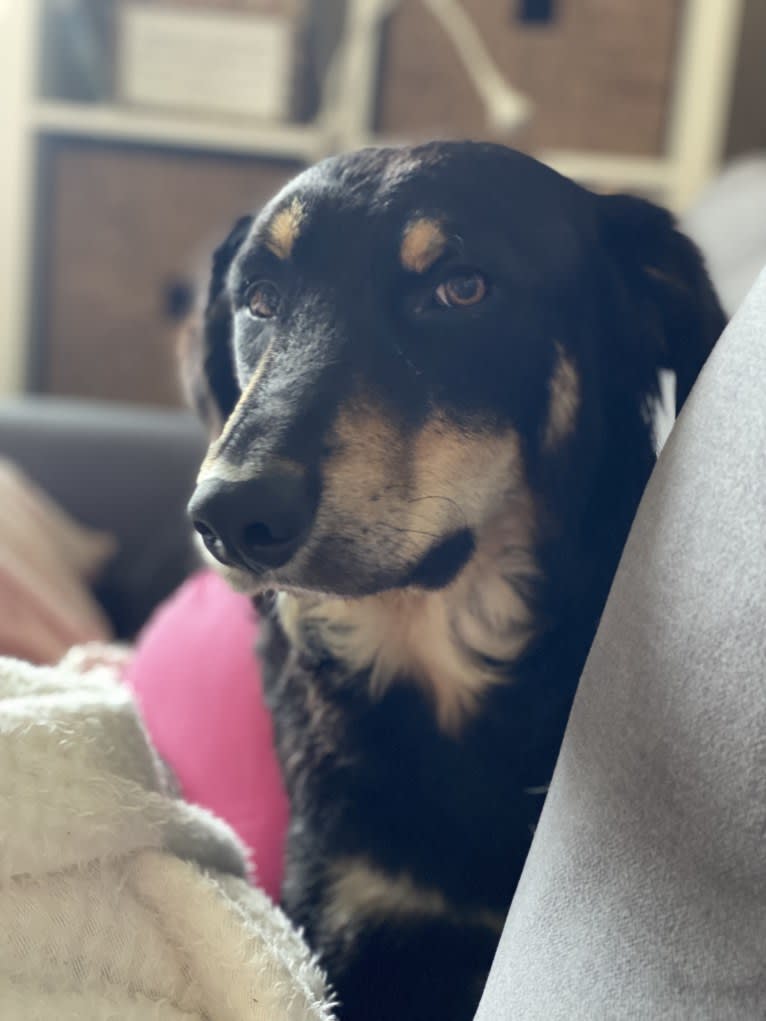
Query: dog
x=429, y=375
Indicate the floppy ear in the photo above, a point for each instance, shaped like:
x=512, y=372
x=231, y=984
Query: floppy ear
x=668, y=282
x=207, y=360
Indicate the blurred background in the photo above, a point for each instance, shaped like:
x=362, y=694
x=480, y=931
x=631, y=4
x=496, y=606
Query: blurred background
x=135, y=131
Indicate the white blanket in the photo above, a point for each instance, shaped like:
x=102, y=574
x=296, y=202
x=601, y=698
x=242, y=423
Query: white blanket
x=117, y=900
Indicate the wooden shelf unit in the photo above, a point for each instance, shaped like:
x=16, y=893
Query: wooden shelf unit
x=703, y=72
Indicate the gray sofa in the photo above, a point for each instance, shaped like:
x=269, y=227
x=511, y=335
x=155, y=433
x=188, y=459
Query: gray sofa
x=644, y=894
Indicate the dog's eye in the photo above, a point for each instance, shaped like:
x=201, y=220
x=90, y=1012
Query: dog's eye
x=263, y=300
x=461, y=290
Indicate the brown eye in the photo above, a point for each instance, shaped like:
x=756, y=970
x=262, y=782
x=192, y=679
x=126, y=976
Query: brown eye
x=263, y=300
x=461, y=290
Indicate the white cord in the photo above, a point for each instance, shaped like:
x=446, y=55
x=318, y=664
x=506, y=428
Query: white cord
x=349, y=99
x=349, y=94
x=507, y=108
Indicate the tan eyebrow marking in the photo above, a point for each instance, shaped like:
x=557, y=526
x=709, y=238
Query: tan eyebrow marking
x=564, y=387
x=422, y=244
x=284, y=229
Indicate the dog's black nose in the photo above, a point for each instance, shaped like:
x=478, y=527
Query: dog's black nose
x=258, y=523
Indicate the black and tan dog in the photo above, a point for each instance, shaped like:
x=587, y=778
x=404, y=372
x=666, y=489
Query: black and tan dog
x=432, y=373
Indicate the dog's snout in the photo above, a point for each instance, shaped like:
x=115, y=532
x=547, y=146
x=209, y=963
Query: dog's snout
x=259, y=523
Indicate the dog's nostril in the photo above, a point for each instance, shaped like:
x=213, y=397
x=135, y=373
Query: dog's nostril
x=207, y=533
x=259, y=534
x=211, y=540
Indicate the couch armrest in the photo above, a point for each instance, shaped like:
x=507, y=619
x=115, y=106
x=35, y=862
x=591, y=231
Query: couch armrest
x=127, y=470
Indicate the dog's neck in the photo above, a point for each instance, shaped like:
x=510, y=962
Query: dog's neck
x=454, y=643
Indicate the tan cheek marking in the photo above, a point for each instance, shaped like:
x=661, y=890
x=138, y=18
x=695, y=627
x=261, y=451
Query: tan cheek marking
x=457, y=475
x=366, y=462
x=461, y=476
x=423, y=242
x=284, y=229
x=564, y=402
x=208, y=466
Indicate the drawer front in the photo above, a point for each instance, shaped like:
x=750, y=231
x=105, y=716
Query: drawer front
x=599, y=73
x=123, y=227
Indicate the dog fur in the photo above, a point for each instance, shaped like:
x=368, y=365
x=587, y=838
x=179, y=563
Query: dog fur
x=477, y=468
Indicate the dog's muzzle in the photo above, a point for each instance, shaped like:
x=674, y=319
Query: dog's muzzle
x=258, y=524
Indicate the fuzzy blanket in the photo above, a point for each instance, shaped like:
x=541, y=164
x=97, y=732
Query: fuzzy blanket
x=117, y=900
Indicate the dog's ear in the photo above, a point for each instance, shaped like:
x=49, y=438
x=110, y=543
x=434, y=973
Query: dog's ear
x=671, y=293
x=207, y=358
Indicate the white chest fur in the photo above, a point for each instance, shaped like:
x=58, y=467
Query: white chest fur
x=454, y=643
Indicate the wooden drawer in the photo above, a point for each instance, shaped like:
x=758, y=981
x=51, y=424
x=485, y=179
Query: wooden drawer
x=599, y=74
x=123, y=225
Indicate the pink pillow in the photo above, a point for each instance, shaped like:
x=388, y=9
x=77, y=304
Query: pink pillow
x=197, y=681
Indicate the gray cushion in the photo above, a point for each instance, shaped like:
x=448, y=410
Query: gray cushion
x=644, y=895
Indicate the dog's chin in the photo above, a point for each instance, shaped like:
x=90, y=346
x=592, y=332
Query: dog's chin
x=329, y=569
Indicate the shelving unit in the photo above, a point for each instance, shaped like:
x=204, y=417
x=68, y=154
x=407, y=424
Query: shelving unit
x=102, y=121
x=299, y=142
x=28, y=120
x=706, y=55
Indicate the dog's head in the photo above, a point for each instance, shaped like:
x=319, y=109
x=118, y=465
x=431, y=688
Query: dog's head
x=407, y=344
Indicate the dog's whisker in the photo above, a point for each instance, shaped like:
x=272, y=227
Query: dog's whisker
x=400, y=530
x=463, y=517
x=439, y=496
